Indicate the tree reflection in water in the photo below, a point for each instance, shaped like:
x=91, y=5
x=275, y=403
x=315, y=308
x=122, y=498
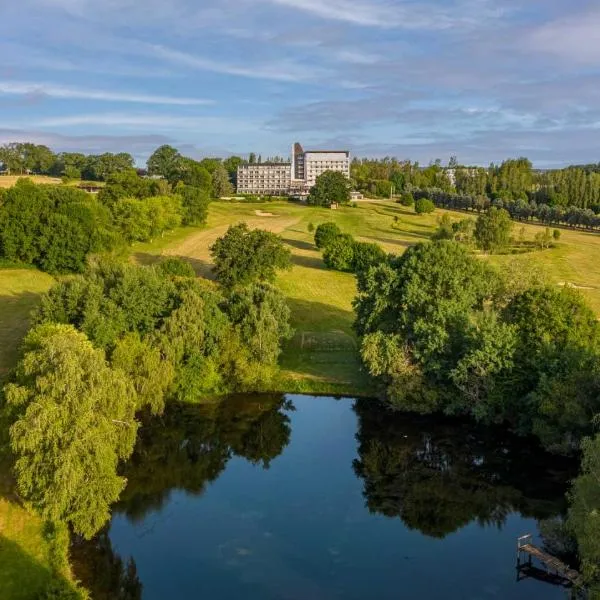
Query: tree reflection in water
x=185, y=449
x=439, y=475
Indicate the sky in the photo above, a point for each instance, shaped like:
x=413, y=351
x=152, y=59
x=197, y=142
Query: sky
x=483, y=80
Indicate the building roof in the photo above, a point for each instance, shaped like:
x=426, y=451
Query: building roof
x=347, y=152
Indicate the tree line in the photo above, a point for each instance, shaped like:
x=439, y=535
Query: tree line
x=512, y=180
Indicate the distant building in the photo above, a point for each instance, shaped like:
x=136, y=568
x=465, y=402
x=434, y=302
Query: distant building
x=295, y=178
x=268, y=179
x=309, y=164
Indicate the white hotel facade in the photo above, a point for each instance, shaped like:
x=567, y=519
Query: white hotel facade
x=296, y=177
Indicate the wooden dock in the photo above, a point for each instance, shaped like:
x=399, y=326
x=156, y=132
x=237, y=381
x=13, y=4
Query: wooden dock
x=526, y=548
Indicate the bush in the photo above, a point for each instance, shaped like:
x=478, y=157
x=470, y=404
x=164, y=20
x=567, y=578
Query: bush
x=556, y=234
x=339, y=253
x=407, y=199
x=310, y=227
x=176, y=267
x=326, y=232
x=366, y=255
x=424, y=206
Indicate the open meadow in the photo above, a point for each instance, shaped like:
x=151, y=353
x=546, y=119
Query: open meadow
x=7, y=181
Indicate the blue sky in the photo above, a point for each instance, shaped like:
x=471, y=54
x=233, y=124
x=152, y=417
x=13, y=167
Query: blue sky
x=420, y=79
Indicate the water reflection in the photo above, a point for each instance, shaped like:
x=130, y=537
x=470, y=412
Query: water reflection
x=438, y=476
x=189, y=447
x=297, y=527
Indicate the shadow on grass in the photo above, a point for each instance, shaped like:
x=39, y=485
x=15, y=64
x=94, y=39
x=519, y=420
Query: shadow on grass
x=299, y=244
x=22, y=575
x=15, y=312
x=310, y=262
x=202, y=268
x=391, y=241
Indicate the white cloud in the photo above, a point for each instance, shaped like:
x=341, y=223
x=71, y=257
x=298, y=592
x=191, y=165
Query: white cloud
x=52, y=90
x=400, y=13
x=151, y=122
x=574, y=38
x=280, y=71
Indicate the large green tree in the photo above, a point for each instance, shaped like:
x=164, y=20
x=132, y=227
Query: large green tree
x=330, y=187
x=163, y=161
x=244, y=256
x=493, y=229
x=72, y=423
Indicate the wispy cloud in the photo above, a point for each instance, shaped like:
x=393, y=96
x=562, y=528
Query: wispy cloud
x=403, y=14
x=276, y=71
x=23, y=88
x=150, y=122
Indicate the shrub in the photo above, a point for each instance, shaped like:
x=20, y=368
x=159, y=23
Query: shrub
x=339, y=253
x=424, y=206
x=310, y=227
x=366, y=255
x=176, y=267
x=407, y=199
x=556, y=234
x=325, y=233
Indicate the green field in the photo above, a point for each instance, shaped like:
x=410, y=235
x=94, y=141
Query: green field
x=322, y=358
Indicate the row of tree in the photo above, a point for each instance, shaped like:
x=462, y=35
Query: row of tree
x=512, y=180
x=521, y=209
x=57, y=228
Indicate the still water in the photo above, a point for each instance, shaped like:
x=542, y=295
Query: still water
x=296, y=497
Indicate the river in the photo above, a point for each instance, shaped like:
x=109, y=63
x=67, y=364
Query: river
x=296, y=497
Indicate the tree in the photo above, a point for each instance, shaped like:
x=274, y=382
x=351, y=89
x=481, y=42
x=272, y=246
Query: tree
x=330, y=187
x=244, y=256
x=221, y=186
x=367, y=255
x=163, y=161
x=325, y=234
x=175, y=267
x=261, y=315
x=424, y=206
x=194, y=203
x=493, y=229
x=339, y=253
x=73, y=421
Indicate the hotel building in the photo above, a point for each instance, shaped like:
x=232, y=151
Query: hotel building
x=297, y=177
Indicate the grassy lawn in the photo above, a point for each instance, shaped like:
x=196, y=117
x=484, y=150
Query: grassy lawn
x=7, y=181
x=20, y=290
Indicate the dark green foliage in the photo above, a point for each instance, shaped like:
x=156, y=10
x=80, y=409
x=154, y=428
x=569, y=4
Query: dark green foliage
x=126, y=184
x=244, y=256
x=73, y=421
x=407, y=199
x=366, y=255
x=192, y=173
x=493, y=229
x=584, y=514
x=310, y=227
x=424, y=206
x=194, y=203
x=436, y=316
x=325, y=233
x=53, y=227
x=331, y=187
x=111, y=300
x=175, y=267
x=260, y=314
x=339, y=253
x=556, y=235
